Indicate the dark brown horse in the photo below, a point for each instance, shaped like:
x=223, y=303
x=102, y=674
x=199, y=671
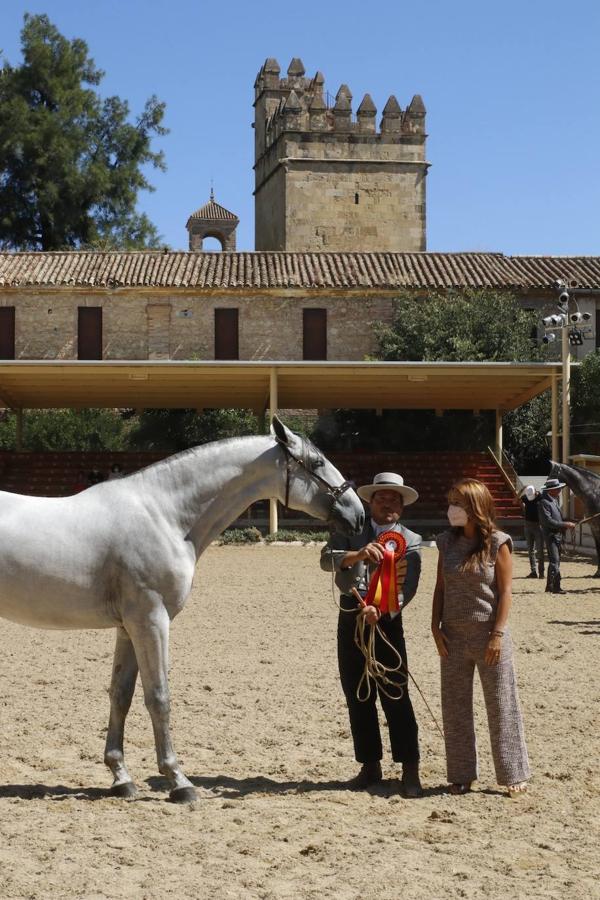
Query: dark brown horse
x=585, y=485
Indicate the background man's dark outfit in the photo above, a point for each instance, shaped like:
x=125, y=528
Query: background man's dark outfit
x=553, y=528
x=533, y=535
x=399, y=714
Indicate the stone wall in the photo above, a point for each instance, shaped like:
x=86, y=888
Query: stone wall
x=166, y=325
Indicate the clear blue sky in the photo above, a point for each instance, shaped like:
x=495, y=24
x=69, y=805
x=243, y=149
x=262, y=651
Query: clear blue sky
x=511, y=90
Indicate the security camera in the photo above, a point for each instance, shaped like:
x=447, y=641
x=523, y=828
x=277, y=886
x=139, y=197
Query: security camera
x=549, y=338
x=563, y=298
x=558, y=285
x=576, y=317
x=554, y=321
x=586, y=316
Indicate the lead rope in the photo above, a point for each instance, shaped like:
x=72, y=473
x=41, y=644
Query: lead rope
x=373, y=669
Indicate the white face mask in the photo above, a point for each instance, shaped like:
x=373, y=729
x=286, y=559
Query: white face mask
x=457, y=516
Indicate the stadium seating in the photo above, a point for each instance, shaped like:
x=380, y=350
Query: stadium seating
x=57, y=475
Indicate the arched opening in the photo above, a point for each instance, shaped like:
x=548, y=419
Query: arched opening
x=212, y=244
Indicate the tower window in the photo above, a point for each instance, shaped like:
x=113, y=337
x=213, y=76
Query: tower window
x=356, y=198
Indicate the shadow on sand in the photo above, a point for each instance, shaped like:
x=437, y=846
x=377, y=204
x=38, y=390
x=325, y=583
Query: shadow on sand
x=226, y=787
x=52, y=792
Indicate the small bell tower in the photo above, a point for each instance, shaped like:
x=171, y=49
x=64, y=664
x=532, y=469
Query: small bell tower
x=212, y=220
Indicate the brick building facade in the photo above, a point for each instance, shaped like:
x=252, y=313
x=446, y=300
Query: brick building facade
x=247, y=306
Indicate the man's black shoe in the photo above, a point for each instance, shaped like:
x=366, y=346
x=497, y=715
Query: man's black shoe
x=369, y=775
x=411, y=783
x=532, y=575
x=540, y=571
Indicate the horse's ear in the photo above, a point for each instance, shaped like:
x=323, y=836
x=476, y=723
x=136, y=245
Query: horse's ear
x=282, y=434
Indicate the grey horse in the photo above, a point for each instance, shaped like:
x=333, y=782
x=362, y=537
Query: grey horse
x=586, y=486
x=122, y=555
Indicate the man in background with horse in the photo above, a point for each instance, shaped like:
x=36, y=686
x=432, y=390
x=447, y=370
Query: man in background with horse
x=354, y=559
x=553, y=528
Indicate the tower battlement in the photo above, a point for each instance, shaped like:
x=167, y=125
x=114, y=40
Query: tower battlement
x=329, y=179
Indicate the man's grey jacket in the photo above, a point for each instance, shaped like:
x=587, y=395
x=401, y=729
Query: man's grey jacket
x=358, y=576
x=550, y=516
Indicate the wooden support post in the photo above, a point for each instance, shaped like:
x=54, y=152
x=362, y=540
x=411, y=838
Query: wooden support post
x=19, y=431
x=273, y=407
x=554, y=425
x=566, y=413
x=499, y=436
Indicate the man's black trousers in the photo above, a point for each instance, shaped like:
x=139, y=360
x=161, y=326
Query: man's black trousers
x=364, y=722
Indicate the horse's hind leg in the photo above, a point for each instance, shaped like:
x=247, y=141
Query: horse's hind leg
x=150, y=638
x=122, y=686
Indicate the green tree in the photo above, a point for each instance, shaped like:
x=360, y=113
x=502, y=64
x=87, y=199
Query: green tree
x=178, y=429
x=458, y=326
x=473, y=325
x=66, y=429
x=585, y=405
x=71, y=164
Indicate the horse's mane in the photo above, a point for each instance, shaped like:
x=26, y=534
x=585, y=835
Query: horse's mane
x=191, y=451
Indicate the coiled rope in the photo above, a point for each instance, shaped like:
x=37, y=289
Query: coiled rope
x=373, y=669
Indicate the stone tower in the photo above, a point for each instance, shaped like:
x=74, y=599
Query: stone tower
x=212, y=220
x=326, y=180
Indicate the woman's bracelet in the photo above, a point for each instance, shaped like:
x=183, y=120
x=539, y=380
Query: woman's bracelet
x=496, y=633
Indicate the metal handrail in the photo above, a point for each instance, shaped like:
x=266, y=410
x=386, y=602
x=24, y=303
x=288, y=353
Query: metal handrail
x=508, y=470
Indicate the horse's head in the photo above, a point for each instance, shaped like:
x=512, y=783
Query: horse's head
x=314, y=485
x=555, y=470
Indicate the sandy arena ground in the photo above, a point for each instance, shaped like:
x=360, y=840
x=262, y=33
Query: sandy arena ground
x=260, y=726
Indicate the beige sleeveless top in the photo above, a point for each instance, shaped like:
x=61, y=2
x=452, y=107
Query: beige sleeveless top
x=469, y=596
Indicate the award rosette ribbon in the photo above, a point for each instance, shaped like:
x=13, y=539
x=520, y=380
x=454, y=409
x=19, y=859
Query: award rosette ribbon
x=383, y=591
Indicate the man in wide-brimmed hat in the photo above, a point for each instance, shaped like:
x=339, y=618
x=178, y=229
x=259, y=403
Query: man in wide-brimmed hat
x=530, y=499
x=553, y=527
x=354, y=559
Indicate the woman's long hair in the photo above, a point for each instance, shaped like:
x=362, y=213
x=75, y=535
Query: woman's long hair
x=478, y=503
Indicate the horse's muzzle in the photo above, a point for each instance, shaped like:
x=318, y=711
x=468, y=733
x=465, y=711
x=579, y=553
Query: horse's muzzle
x=345, y=521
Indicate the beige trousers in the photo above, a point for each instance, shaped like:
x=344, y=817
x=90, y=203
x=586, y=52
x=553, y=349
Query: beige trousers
x=466, y=653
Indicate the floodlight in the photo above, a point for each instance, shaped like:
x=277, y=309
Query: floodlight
x=575, y=337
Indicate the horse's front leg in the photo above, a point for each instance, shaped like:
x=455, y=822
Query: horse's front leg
x=150, y=637
x=597, y=543
x=122, y=686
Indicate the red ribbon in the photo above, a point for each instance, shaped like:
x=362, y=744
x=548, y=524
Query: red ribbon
x=383, y=590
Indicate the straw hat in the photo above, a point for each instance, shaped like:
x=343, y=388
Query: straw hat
x=388, y=481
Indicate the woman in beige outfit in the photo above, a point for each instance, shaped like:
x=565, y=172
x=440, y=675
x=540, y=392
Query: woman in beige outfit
x=471, y=603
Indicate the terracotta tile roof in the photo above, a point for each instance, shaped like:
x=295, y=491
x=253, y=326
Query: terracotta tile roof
x=213, y=211
x=271, y=270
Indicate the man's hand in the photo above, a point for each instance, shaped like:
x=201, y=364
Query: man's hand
x=569, y=525
x=372, y=553
x=370, y=614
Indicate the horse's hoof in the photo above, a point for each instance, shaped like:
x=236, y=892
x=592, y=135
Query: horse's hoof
x=125, y=789
x=183, y=795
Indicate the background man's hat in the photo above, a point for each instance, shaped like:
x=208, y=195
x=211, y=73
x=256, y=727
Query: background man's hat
x=552, y=483
x=529, y=492
x=388, y=481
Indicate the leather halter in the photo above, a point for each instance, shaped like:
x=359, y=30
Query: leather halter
x=333, y=491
